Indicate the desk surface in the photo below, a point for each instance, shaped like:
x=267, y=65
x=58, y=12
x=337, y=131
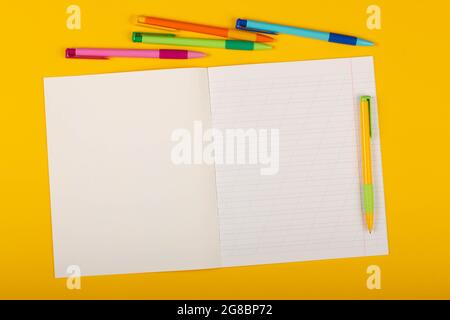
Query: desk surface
x=411, y=68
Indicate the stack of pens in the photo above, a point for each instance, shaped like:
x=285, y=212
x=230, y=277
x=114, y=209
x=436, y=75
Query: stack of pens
x=249, y=35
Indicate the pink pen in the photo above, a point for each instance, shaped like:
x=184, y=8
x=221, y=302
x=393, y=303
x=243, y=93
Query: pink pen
x=85, y=53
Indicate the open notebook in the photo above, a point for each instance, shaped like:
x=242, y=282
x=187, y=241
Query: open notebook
x=121, y=205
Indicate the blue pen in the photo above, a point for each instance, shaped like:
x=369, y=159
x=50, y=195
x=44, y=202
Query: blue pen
x=264, y=27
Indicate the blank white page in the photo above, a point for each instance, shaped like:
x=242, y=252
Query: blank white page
x=312, y=208
x=119, y=204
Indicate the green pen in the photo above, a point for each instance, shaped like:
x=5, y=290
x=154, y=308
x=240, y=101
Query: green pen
x=171, y=39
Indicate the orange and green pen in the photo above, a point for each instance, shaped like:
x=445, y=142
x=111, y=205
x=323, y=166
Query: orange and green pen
x=366, y=134
x=204, y=29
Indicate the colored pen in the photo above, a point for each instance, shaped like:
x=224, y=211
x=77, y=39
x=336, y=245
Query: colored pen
x=86, y=53
x=198, y=42
x=199, y=28
x=258, y=26
x=367, y=187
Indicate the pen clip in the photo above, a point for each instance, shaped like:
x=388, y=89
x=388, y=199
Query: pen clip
x=72, y=54
x=242, y=25
x=142, y=21
x=169, y=35
x=256, y=30
x=368, y=99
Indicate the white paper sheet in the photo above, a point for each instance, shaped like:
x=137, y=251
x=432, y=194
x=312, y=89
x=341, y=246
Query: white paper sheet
x=119, y=205
x=312, y=209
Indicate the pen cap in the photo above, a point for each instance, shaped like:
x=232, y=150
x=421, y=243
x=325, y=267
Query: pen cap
x=142, y=20
x=71, y=53
x=137, y=37
x=241, y=24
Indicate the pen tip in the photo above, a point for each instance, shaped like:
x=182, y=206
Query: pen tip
x=262, y=46
x=264, y=38
x=370, y=222
x=365, y=43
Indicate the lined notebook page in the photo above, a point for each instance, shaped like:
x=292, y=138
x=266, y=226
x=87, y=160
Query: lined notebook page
x=312, y=209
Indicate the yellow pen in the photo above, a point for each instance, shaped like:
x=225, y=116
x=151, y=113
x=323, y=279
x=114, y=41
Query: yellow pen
x=367, y=187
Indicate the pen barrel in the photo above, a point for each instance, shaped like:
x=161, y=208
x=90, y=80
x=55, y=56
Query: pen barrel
x=367, y=184
x=366, y=149
x=187, y=26
x=199, y=42
x=302, y=32
x=122, y=53
x=204, y=29
x=190, y=42
x=278, y=28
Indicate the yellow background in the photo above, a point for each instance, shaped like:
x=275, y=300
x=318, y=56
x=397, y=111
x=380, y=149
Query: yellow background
x=412, y=71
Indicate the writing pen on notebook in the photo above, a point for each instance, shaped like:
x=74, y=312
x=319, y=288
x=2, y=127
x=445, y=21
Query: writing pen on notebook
x=96, y=53
x=367, y=176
